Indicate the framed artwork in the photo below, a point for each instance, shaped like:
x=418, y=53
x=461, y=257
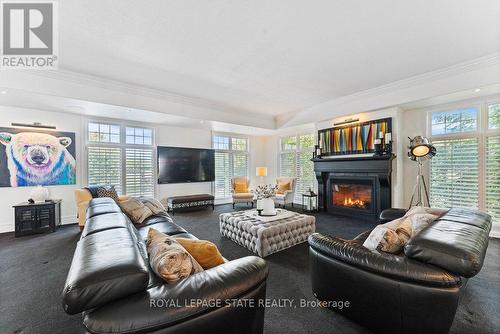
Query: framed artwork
x=33, y=157
x=354, y=138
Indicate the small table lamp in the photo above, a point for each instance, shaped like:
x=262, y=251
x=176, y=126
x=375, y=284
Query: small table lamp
x=261, y=172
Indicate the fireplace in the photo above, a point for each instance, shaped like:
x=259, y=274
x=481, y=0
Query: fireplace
x=357, y=187
x=352, y=194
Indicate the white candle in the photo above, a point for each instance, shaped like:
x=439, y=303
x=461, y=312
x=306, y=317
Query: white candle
x=381, y=134
x=377, y=141
x=388, y=137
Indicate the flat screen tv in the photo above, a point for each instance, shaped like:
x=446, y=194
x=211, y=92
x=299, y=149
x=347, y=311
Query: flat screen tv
x=180, y=165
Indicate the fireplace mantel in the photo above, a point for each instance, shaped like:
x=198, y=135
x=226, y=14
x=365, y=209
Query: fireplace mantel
x=376, y=168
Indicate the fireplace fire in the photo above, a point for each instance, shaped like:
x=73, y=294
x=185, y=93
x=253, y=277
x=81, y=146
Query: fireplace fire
x=358, y=196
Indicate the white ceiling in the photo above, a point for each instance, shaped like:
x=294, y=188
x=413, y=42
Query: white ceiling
x=269, y=56
x=241, y=65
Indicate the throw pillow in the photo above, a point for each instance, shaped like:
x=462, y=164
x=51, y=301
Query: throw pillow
x=168, y=258
x=240, y=187
x=107, y=192
x=283, y=187
x=383, y=239
x=203, y=251
x=135, y=210
x=154, y=205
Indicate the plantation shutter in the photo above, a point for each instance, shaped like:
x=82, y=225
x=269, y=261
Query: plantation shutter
x=305, y=175
x=240, y=164
x=139, y=172
x=287, y=164
x=105, y=166
x=222, y=175
x=454, y=174
x=493, y=177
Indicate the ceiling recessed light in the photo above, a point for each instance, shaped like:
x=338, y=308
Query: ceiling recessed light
x=3, y=92
x=477, y=90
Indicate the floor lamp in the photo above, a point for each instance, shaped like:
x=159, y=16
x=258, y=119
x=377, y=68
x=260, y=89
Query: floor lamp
x=419, y=150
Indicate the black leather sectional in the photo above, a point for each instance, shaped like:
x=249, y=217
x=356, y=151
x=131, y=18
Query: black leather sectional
x=416, y=291
x=111, y=283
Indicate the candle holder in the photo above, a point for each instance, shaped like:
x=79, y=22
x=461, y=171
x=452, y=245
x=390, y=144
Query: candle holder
x=388, y=148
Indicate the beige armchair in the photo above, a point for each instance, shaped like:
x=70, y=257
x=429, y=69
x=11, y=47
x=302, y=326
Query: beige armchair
x=82, y=198
x=285, y=192
x=241, y=194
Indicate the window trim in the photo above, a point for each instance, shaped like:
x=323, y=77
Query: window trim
x=122, y=146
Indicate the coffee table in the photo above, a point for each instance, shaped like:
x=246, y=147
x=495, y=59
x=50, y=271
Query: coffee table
x=265, y=236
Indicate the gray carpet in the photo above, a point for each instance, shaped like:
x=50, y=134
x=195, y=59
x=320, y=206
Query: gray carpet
x=33, y=270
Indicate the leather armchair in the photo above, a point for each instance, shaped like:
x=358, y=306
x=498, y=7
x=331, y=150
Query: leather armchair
x=416, y=291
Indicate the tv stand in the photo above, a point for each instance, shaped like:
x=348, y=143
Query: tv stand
x=190, y=201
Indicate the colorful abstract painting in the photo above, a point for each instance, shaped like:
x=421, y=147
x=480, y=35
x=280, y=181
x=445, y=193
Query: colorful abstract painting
x=32, y=157
x=353, y=139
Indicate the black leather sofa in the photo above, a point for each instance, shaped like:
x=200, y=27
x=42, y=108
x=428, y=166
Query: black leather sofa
x=416, y=291
x=111, y=282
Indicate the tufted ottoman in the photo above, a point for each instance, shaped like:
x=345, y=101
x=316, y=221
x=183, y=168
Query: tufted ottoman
x=266, y=237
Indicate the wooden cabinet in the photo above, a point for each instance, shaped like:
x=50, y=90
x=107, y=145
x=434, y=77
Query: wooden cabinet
x=32, y=218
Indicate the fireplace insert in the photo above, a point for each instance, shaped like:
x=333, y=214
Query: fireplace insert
x=353, y=194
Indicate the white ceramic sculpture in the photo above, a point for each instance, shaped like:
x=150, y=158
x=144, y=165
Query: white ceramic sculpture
x=39, y=194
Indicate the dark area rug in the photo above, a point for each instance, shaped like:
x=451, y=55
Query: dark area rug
x=33, y=270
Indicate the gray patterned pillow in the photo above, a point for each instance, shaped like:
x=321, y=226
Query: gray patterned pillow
x=108, y=192
x=135, y=210
x=154, y=205
x=168, y=258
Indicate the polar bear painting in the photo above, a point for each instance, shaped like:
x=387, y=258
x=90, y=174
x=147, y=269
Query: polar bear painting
x=36, y=158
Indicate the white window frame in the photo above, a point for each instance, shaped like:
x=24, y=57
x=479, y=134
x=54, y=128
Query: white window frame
x=230, y=151
x=122, y=146
x=296, y=151
x=481, y=133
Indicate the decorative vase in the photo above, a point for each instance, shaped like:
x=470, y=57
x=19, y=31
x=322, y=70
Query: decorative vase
x=39, y=194
x=268, y=207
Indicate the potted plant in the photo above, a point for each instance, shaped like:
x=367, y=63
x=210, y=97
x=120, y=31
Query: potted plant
x=265, y=202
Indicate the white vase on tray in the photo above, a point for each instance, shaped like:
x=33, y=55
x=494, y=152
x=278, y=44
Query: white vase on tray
x=268, y=207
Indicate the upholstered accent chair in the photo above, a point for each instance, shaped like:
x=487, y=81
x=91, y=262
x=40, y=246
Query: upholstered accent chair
x=240, y=189
x=285, y=192
x=82, y=198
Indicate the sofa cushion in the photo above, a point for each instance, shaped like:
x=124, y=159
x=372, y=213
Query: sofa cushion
x=104, y=222
x=163, y=227
x=154, y=205
x=168, y=258
x=100, y=206
x=458, y=247
x=106, y=266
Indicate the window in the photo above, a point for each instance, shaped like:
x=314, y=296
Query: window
x=461, y=120
x=466, y=169
x=295, y=161
x=494, y=116
x=139, y=136
x=104, y=133
x=121, y=157
x=231, y=159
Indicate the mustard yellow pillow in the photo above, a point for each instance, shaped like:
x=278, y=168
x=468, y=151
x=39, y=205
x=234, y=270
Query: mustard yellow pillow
x=283, y=187
x=240, y=187
x=203, y=251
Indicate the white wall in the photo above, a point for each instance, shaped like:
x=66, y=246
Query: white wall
x=183, y=137
x=398, y=137
x=263, y=152
x=10, y=196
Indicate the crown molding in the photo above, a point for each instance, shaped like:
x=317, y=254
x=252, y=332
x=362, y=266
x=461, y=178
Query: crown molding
x=417, y=80
x=65, y=75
